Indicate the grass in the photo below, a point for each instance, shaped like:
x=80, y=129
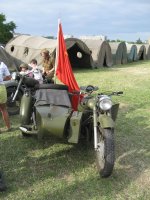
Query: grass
x=56, y=170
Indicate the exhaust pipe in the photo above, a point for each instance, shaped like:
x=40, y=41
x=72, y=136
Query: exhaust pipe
x=25, y=130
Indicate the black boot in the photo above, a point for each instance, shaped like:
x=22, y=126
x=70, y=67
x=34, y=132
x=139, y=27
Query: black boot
x=2, y=183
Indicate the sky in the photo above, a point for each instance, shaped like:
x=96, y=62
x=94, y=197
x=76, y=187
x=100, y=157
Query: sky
x=126, y=20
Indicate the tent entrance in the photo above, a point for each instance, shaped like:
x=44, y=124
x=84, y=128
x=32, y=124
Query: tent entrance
x=78, y=58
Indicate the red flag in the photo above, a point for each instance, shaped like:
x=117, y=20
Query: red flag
x=64, y=70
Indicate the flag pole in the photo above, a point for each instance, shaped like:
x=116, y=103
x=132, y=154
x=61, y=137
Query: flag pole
x=57, y=49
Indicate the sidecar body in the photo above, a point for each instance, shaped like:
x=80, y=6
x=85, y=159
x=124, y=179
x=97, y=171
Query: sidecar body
x=50, y=113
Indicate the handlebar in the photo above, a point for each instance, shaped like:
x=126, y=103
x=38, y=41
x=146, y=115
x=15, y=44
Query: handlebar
x=91, y=88
x=117, y=93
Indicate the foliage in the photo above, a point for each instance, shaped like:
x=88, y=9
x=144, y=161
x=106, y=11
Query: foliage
x=6, y=29
x=139, y=41
x=50, y=37
x=118, y=40
x=55, y=170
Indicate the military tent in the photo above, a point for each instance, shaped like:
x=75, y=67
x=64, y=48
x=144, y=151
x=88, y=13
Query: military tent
x=132, y=52
x=12, y=63
x=26, y=48
x=119, y=52
x=100, y=51
x=79, y=53
x=147, y=51
x=141, y=51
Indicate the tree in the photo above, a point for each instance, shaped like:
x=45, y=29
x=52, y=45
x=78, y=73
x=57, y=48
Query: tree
x=139, y=41
x=6, y=29
x=50, y=37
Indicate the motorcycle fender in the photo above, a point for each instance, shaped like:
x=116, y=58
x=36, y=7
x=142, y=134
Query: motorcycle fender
x=114, y=111
x=25, y=109
x=106, y=121
x=12, y=83
x=75, y=122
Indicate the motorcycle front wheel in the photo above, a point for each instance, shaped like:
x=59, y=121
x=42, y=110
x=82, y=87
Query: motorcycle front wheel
x=13, y=108
x=105, y=152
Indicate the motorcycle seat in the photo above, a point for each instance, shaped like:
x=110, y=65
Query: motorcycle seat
x=52, y=86
x=58, y=97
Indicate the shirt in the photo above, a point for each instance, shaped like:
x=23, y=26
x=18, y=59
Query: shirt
x=37, y=75
x=3, y=72
x=48, y=66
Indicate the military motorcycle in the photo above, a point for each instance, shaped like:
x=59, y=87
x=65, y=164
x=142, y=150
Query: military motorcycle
x=99, y=123
x=15, y=90
x=46, y=110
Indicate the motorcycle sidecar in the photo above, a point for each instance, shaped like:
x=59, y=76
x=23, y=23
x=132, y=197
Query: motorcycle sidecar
x=50, y=114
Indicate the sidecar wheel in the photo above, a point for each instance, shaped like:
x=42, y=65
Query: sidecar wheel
x=105, y=153
x=13, y=107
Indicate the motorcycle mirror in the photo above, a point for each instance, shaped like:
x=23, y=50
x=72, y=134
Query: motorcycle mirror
x=91, y=88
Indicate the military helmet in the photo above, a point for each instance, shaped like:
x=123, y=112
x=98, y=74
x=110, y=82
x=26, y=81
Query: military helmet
x=24, y=65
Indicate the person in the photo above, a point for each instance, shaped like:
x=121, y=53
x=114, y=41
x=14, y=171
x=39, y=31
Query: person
x=2, y=183
x=48, y=64
x=4, y=75
x=37, y=75
x=24, y=69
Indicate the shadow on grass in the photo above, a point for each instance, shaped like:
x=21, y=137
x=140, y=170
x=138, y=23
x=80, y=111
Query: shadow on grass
x=132, y=161
x=27, y=163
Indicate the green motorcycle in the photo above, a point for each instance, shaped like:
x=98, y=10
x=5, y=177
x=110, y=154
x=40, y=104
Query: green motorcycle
x=46, y=110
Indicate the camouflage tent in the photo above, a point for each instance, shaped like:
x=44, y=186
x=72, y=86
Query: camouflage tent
x=132, y=52
x=101, y=52
x=26, y=48
x=147, y=51
x=119, y=52
x=12, y=63
x=141, y=51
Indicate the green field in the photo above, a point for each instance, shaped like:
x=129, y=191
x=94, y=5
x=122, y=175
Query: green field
x=53, y=170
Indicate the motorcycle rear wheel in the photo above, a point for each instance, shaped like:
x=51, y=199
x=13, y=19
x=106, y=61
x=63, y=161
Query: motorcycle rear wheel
x=13, y=107
x=105, y=153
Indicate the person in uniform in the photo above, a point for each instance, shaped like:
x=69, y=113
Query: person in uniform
x=48, y=64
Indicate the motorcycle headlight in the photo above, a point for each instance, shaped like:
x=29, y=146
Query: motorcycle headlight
x=105, y=103
x=14, y=75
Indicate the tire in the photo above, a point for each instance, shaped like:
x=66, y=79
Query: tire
x=105, y=153
x=13, y=107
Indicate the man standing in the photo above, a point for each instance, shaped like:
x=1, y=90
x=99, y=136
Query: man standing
x=4, y=75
